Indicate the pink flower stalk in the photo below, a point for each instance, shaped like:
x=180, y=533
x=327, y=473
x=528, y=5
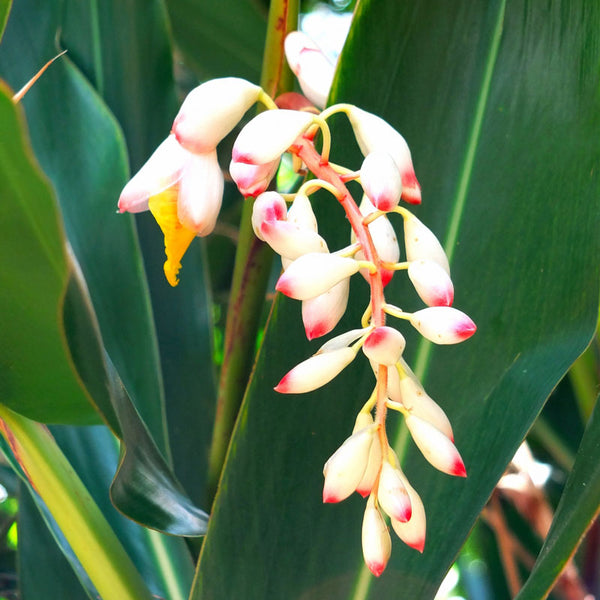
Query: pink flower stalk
x=384, y=238
x=381, y=180
x=311, y=67
x=161, y=171
x=211, y=110
x=443, y=324
x=392, y=495
x=384, y=345
x=266, y=137
x=413, y=531
x=373, y=133
x=322, y=313
x=344, y=469
x=435, y=446
x=315, y=371
x=421, y=243
x=313, y=274
x=252, y=180
x=432, y=282
x=376, y=541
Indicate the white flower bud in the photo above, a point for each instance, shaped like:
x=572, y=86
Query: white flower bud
x=381, y=180
x=421, y=243
x=313, y=274
x=373, y=133
x=301, y=213
x=365, y=485
x=161, y=171
x=376, y=541
x=432, y=282
x=268, y=135
x=392, y=495
x=384, y=345
x=346, y=466
x=311, y=67
x=252, y=180
x=412, y=532
x=291, y=241
x=443, y=324
x=200, y=193
x=436, y=447
x=316, y=371
x=322, y=313
x=211, y=110
x=267, y=208
x=342, y=340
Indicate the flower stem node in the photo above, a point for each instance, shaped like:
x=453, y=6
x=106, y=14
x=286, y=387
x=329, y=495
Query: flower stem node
x=443, y=324
x=211, y=110
x=345, y=468
x=376, y=541
x=384, y=345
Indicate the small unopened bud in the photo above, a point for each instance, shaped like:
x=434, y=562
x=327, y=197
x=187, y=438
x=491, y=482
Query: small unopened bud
x=373, y=133
x=443, y=324
x=200, y=193
x=266, y=137
x=376, y=541
x=384, y=345
x=267, y=208
x=322, y=313
x=384, y=238
x=381, y=180
x=421, y=243
x=392, y=494
x=412, y=532
x=432, y=282
x=313, y=274
x=211, y=110
x=436, y=447
x=161, y=171
x=252, y=180
x=311, y=67
x=344, y=469
x=316, y=371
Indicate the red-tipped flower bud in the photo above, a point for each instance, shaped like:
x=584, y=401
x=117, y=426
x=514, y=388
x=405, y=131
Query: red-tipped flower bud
x=322, y=313
x=376, y=541
x=421, y=243
x=252, y=180
x=384, y=345
x=443, y=324
x=392, y=494
x=381, y=180
x=432, y=282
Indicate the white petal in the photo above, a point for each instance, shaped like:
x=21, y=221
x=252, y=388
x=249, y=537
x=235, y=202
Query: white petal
x=161, y=171
x=322, y=313
x=301, y=213
x=266, y=137
x=381, y=180
x=291, y=241
x=316, y=371
x=432, y=282
x=421, y=243
x=392, y=494
x=342, y=340
x=200, y=193
x=413, y=531
x=252, y=180
x=384, y=345
x=443, y=324
x=211, y=110
x=313, y=274
x=268, y=207
x=376, y=541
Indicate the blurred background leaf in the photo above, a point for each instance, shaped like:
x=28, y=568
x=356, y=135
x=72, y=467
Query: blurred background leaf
x=485, y=101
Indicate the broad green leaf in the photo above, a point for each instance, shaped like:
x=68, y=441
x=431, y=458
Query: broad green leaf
x=36, y=378
x=499, y=105
x=80, y=147
x=125, y=52
x=578, y=507
x=220, y=37
x=4, y=12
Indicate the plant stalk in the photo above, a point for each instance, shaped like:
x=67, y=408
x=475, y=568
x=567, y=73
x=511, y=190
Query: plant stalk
x=251, y=269
x=93, y=541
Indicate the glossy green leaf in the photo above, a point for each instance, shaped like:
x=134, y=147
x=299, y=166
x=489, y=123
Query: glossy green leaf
x=499, y=105
x=578, y=507
x=220, y=37
x=36, y=377
x=4, y=12
x=80, y=147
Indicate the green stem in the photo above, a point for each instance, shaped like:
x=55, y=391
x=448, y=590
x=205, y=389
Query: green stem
x=90, y=536
x=252, y=267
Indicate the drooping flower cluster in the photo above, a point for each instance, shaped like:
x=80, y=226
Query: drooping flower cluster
x=182, y=185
